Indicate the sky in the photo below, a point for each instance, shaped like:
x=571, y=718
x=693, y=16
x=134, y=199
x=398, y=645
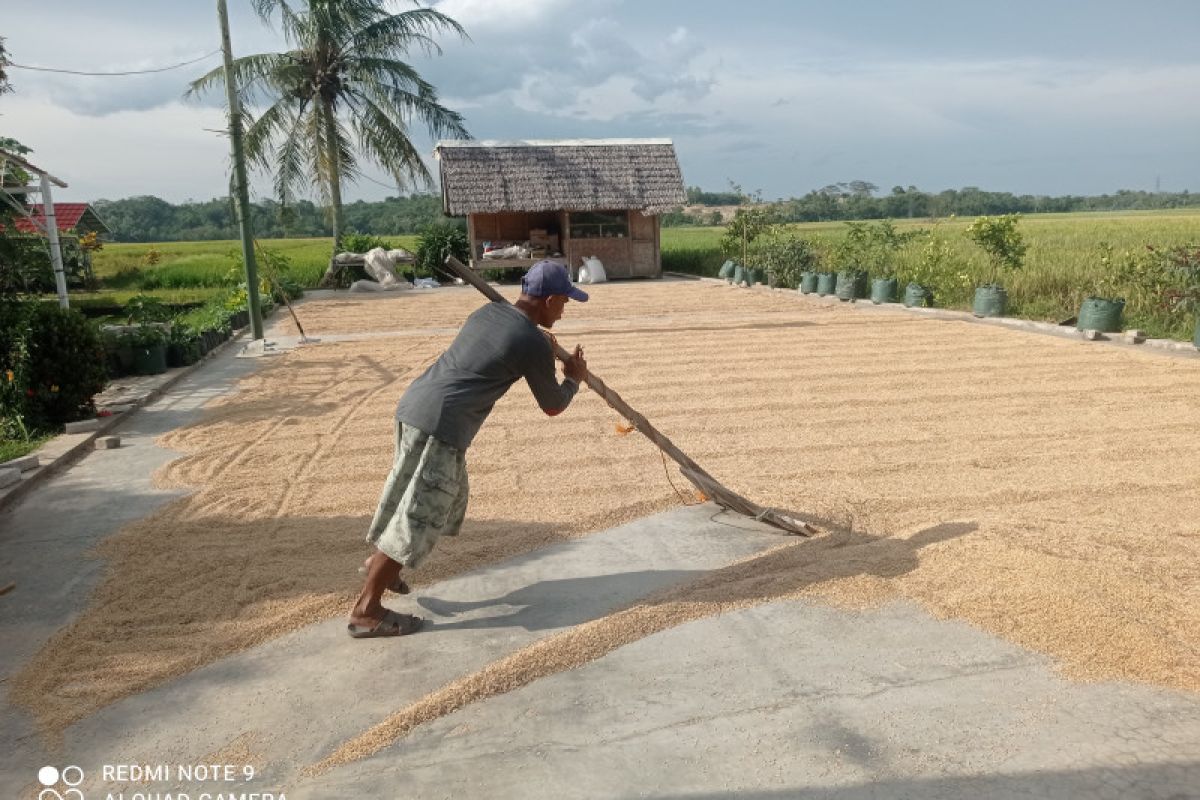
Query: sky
x=1026, y=96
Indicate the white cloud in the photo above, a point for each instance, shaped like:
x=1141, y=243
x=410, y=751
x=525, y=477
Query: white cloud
x=165, y=151
x=486, y=19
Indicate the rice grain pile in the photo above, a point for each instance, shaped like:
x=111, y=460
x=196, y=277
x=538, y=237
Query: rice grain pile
x=1051, y=484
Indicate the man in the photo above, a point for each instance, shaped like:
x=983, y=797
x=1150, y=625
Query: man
x=425, y=496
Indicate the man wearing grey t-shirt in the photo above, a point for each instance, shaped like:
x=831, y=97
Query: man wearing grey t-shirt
x=425, y=496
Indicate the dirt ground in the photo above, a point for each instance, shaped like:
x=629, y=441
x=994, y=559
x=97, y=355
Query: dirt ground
x=1042, y=489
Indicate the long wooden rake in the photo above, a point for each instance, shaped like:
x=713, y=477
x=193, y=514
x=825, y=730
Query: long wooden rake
x=690, y=469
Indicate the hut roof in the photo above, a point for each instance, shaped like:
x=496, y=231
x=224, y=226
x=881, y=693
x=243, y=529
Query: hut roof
x=78, y=217
x=559, y=174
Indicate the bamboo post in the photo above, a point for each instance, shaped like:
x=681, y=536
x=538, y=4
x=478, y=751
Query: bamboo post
x=689, y=468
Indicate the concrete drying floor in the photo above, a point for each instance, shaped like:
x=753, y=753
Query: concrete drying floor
x=784, y=696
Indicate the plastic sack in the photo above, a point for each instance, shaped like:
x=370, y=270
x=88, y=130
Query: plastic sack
x=380, y=265
x=592, y=271
x=367, y=286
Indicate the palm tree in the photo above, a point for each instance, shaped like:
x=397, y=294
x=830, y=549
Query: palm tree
x=342, y=79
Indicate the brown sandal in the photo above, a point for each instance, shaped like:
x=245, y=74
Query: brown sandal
x=392, y=624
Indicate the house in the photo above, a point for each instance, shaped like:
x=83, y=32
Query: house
x=76, y=218
x=565, y=199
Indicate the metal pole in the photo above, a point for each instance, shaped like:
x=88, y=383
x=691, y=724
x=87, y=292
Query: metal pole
x=241, y=189
x=60, y=277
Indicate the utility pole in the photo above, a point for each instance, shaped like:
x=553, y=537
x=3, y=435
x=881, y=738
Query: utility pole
x=241, y=190
x=56, y=259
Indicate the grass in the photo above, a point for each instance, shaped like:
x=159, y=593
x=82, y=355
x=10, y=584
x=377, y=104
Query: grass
x=212, y=264
x=15, y=448
x=1062, y=264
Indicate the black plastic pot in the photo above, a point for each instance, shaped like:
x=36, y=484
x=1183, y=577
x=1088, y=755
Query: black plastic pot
x=826, y=283
x=990, y=301
x=1100, y=314
x=851, y=284
x=883, y=290
x=917, y=295
x=150, y=359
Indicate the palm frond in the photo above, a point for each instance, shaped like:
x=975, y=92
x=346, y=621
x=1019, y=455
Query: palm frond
x=289, y=159
x=440, y=121
x=263, y=130
x=406, y=30
x=386, y=142
x=249, y=72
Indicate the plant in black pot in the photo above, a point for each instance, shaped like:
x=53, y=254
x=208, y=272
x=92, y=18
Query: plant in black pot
x=1005, y=248
x=149, y=344
x=1102, y=306
x=183, y=346
x=884, y=243
x=850, y=256
x=933, y=263
x=747, y=225
x=784, y=256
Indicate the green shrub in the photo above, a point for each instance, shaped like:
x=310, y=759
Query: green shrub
x=435, y=242
x=25, y=266
x=355, y=242
x=53, y=366
x=144, y=308
x=705, y=261
x=1003, y=243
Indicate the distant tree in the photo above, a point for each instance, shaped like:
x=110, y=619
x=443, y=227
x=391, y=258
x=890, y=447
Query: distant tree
x=5, y=86
x=862, y=188
x=343, y=79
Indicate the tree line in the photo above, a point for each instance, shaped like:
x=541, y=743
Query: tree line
x=859, y=200
x=152, y=219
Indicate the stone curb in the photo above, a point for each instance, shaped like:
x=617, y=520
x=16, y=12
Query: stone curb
x=65, y=449
x=1171, y=347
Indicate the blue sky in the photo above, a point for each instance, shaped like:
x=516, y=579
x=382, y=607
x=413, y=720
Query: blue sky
x=1050, y=97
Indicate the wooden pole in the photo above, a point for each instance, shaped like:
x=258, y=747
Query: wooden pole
x=241, y=195
x=689, y=468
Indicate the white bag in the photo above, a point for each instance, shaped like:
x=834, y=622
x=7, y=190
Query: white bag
x=379, y=264
x=592, y=271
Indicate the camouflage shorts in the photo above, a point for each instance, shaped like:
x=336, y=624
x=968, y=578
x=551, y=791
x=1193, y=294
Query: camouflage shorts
x=425, y=497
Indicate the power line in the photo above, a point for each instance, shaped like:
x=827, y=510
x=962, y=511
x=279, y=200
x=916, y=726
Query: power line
x=112, y=74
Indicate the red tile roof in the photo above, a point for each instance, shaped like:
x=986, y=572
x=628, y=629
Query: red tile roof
x=67, y=215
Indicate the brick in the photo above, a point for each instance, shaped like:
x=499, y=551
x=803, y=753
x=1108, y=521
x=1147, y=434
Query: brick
x=1134, y=336
x=83, y=426
x=9, y=476
x=108, y=442
x=23, y=464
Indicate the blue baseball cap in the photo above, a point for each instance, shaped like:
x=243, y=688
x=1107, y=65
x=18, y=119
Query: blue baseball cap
x=547, y=278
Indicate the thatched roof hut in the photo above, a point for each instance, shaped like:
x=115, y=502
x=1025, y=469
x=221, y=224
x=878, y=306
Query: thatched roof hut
x=567, y=198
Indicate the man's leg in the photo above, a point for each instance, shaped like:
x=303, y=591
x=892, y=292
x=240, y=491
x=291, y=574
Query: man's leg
x=381, y=573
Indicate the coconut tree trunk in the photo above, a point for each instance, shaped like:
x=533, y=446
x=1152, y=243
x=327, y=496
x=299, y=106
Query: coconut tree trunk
x=334, y=176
